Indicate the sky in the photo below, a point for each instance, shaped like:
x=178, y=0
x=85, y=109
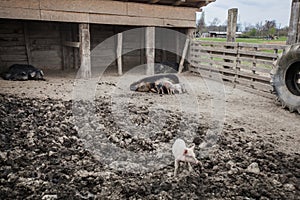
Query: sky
x=250, y=11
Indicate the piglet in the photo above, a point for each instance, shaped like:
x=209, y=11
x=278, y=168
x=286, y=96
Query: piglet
x=184, y=154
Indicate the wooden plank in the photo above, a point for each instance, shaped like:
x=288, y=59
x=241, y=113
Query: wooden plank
x=261, y=61
x=150, y=50
x=13, y=50
x=161, y=11
x=253, y=76
x=62, y=16
x=27, y=43
x=86, y=6
x=231, y=24
x=179, y=23
x=184, y=52
x=213, y=68
x=257, y=69
x=126, y=20
x=214, y=49
x=71, y=44
x=255, y=85
x=211, y=74
x=261, y=46
x=19, y=13
x=212, y=43
x=29, y=4
x=119, y=53
x=214, y=62
x=85, y=54
x=213, y=56
x=260, y=54
x=257, y=92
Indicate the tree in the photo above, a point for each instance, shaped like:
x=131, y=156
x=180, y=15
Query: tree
x=269, y=28
x=201, y=26
x=215, y=22
x=214, y=25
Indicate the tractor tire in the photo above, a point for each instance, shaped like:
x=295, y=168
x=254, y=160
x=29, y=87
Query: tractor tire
x=285, y=78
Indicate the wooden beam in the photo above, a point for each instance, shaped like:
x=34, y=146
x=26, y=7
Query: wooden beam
x=99, y=11
x=294, y=28
x=185, y=49
x=85, y=54
x=150, y=50
x=27, y=43
x=119, y=53
x=231, y=24
x=71, y=44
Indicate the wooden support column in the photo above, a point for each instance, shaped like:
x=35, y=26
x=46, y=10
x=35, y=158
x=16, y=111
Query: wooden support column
x=294, y=28
x=75, y=37
x=185, y=53
x=150, y=50
x=84, y=51
x=27, y=43
x=185, y=49
x=119, y=53
x=231, y=24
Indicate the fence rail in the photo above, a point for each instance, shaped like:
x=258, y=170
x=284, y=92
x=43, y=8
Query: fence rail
x=243, y=64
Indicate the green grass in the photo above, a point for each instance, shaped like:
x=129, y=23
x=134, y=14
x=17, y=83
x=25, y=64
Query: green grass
x=281, y=40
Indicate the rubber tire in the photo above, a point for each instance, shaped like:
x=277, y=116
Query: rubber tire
x=287, y=99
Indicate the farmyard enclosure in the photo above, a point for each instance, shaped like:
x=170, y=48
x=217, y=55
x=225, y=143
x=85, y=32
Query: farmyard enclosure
x=93, y=138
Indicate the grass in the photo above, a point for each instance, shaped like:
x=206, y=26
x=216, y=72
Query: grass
x=280, y=40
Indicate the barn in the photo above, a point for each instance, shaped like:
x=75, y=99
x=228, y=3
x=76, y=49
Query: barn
x=64, y=34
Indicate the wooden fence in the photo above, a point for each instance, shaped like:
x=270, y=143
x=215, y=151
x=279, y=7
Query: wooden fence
x=243, y=64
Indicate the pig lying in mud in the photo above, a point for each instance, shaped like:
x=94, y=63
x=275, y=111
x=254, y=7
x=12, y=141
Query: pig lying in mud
x=161, y=84
x=183, y=154
x=21, y=72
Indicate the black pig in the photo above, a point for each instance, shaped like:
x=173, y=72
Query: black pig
x=22, y=72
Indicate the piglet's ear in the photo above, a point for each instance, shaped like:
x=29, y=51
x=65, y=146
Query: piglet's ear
x=185, y=152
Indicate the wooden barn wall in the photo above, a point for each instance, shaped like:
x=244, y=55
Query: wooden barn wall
x=102, y=52
x=40, y=46
x=45, y=45
x=12, y=44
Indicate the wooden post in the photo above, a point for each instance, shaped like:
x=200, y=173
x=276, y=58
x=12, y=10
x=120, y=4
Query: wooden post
x=150, y=50
x=84, y=51
x=294, y=28
x=74, y=34
x=185, y=53
x=231, y=24
x=185, y=49
x=27, y=43
x=119, y=53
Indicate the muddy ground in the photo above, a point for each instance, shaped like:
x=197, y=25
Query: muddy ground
x=53, y=147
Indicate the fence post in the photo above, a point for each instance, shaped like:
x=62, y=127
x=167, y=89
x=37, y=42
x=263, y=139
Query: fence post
x=294, y=28
x=231, y=24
